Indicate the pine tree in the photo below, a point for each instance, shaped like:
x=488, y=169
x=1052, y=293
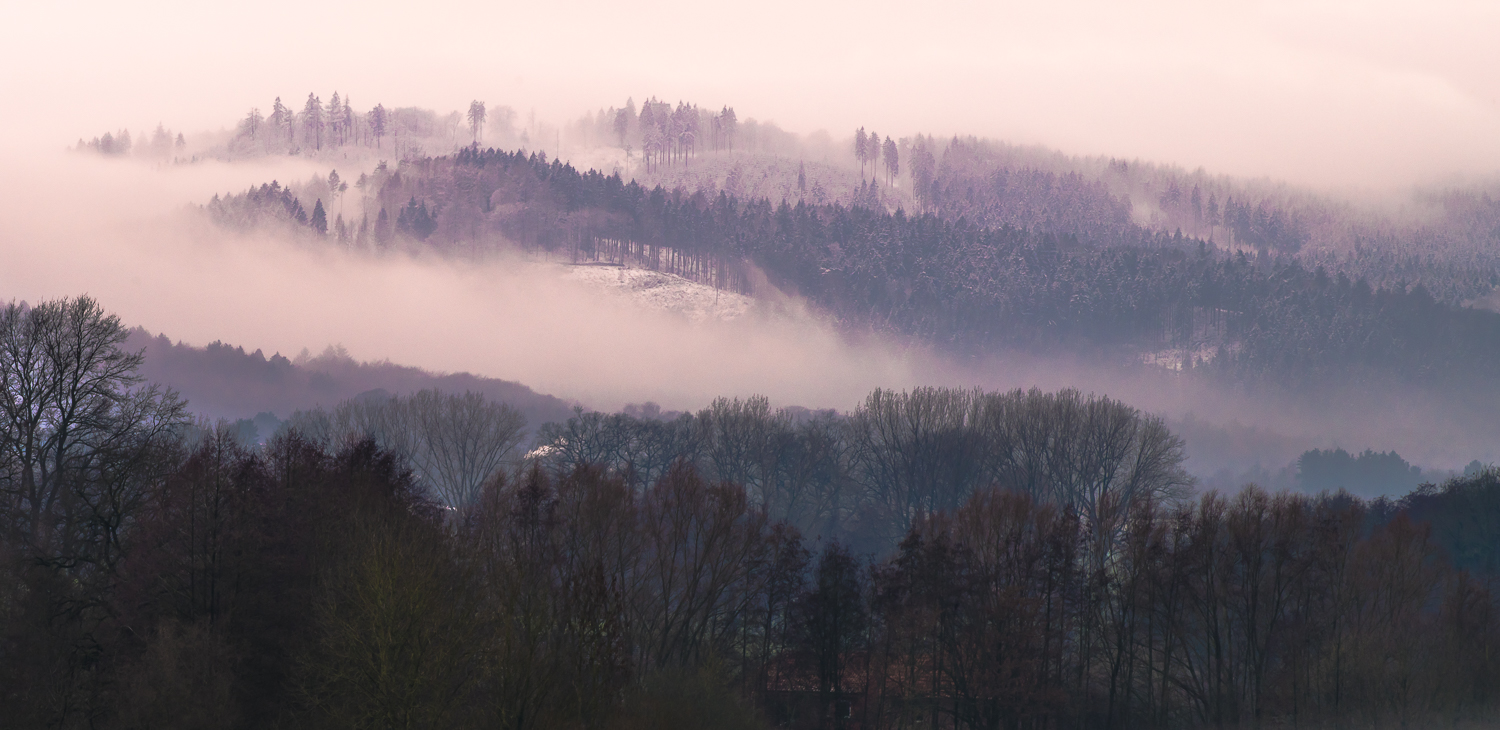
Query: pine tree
x=872, y=153
x=730, y=127
x=377, y=123
x=319, y=218
x=622, y=125
x=859, y=150
x=892, y=161
x=336, y=118
x=1197, y=203
x=383, y=228
x=281, y=118
x=313, y=119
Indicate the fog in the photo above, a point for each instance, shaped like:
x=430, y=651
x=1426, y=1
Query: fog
x=1349, y=94
x=1367, y=96
x=124, y=232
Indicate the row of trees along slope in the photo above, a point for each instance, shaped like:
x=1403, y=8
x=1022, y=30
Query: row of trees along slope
x=149, y=580
x=1255, y=320
x=1444, y=238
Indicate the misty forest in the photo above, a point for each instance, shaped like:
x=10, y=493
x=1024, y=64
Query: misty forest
x=197, y=536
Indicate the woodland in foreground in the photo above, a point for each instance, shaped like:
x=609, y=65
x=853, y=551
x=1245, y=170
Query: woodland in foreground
x=936, y=558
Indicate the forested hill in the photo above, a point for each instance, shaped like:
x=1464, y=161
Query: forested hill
x=1445, y=237
x=1448, y=239
x=224, y=381
x=1260, y=318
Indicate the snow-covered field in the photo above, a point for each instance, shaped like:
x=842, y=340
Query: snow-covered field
x=666, y=292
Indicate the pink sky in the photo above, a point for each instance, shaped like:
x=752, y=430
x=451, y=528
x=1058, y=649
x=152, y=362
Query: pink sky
x=1368, y=94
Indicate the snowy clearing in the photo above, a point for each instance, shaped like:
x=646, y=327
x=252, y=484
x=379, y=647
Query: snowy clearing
x=666, y=292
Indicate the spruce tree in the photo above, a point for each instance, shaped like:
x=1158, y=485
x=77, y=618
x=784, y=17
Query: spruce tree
x=859, y=149
x=319, y=218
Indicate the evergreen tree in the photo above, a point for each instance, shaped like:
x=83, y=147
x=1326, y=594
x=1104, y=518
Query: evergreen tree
x=377, y=123
x=730, y=127
x=892, y=161
x=319, y=218
x=336, y=118
x=281, y=118
x=859, y=150
x=622, y=125
x=872, y=154
x=313, y=120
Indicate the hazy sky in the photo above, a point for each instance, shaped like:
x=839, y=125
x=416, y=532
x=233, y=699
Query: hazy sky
x=1364, y=93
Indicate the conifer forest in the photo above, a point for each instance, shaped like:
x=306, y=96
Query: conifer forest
x=1141, y=372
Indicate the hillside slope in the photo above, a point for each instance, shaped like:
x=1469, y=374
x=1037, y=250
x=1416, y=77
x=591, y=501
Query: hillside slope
x=224, y=381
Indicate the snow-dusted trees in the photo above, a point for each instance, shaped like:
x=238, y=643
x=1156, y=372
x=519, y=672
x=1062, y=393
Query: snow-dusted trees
x=338, y=118
x=867, y=149
x=621, y=125
x=726, y=125
x=312, y=127
x=892, y=161
x=379, y=118
x=861, y=149
x=313, y=121
x=281, y=119
x=685, y=129
x=923, y=167
x=250, y=125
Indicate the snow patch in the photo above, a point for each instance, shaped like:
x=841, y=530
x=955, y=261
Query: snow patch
x=665, y=292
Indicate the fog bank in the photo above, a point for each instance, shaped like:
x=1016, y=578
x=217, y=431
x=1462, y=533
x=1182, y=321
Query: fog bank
x=123, y=232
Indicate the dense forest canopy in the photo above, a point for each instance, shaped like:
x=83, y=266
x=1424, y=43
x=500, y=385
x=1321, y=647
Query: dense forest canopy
x=389, y=547
x=960, y=558
x=1443, y=238
x=1252, y=319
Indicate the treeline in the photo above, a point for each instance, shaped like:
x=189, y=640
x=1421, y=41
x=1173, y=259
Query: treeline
x=224, y=381
x=860, y=479
x=1255, y=320
x=1445, y=240
x=160, y=145
x=1327, y=470
x=314, y=125
x=1049, y=571
x=984, y=184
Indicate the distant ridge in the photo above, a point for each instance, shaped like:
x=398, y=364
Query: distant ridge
x=224, y=381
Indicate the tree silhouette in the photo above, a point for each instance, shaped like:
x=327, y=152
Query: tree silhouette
x=313, y=120
x=377, y=123
x=861, y=149
x=251, y=124
x=319, y=220
x=476, y=119
x=892, y=161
